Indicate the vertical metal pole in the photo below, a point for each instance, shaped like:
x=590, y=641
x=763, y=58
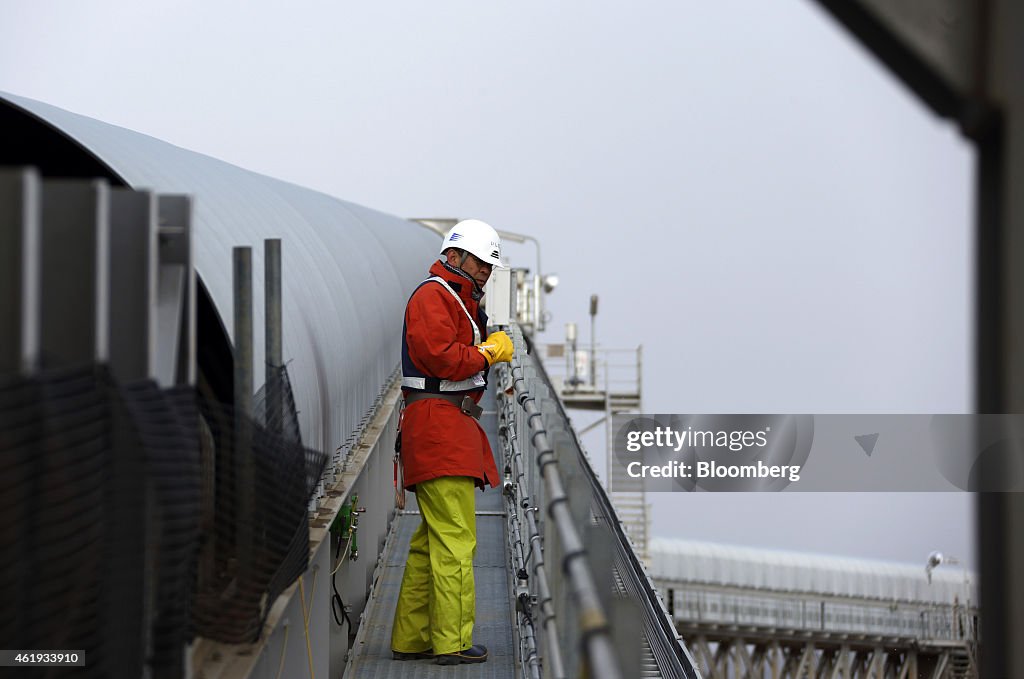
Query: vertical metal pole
x=539, y=305
x=593, y=342
x=999, y=314
x=536, y=305
x=646, y=527
x=990, y=294
x=272, y=314
x=243, y=329
x=640, y=375
x=608, y=436
x=245, y=476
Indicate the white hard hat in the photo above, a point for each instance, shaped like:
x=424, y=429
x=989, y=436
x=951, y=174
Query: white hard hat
x=476, y=237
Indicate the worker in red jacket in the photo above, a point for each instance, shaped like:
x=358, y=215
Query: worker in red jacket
x=445, y=454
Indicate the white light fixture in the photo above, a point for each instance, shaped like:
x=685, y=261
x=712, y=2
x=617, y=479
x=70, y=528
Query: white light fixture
x=935, y=559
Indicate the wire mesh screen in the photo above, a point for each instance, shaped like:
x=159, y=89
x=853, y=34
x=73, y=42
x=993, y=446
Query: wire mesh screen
x=273, y=406
x=164, y=422
x=73, y=494
x=134, y=517
x=51, y=535
x=255, y=539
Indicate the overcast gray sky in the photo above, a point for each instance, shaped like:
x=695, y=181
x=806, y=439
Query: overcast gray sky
x=776, y=219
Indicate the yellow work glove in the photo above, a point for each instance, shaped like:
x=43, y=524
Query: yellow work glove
x=496, y=348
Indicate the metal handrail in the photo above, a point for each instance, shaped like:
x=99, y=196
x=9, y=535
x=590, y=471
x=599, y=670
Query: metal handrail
x=669, y=652
x=519, y=505
x=596, y=643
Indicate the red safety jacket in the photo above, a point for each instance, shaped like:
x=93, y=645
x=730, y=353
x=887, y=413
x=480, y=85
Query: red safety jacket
x=438, y=439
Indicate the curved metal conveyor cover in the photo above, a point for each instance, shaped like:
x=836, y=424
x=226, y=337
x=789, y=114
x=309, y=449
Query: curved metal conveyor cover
x=347, y=270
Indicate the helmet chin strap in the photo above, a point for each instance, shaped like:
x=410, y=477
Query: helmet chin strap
x=477, y=290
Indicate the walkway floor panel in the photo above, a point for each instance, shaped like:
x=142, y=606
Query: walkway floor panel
x=372, y=651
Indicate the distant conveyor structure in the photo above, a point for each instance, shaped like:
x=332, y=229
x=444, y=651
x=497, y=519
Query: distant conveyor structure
x=198, y=408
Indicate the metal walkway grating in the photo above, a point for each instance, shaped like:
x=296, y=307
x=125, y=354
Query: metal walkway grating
x=371, y=653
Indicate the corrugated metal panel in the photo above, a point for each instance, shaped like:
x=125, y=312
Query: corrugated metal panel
x=347, y=270
x=704, y=562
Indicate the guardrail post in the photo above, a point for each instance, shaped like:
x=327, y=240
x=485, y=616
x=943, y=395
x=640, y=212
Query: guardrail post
x=242, y=280
x=274, y=404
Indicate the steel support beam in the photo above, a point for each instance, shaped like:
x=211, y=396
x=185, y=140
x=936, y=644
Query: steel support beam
x=1000, y=309
x=965, y=61
x=931, y=45
x=741, y=650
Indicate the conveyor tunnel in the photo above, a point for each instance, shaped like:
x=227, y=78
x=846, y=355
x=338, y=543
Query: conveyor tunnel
x=346, y=272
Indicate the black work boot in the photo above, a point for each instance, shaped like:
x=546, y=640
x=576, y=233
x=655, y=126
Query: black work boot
x=473, y=654
x=422, y=655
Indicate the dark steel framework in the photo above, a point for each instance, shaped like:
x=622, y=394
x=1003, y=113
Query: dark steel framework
x=965, y=60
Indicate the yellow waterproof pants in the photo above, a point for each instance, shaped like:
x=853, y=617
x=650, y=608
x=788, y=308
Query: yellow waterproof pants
x=437, y=602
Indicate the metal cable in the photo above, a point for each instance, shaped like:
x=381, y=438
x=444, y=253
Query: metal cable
x=536, y=553
x=519, y=507
x=527, y=632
